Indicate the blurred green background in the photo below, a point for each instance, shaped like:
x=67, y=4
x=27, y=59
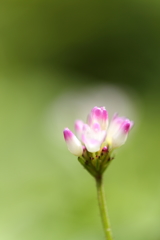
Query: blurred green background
x=50, y=53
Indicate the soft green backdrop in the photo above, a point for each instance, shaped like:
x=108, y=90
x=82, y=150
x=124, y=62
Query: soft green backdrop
x=46, y=49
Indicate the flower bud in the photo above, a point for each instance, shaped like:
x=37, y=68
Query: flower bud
x=73, y=144
x=98, y=115
x=118, y=131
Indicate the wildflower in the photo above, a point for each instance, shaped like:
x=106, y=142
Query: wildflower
x=95, y=139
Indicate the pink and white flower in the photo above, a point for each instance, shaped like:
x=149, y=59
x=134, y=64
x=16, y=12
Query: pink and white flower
x=98, y=115
x=96, y=135
x=73, y=144
x=118, y=131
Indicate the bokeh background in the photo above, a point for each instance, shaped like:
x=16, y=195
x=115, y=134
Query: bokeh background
x=58, y=59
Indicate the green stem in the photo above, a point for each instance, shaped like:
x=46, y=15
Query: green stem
x=103, y=209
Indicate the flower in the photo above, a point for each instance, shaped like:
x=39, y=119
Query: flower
x=73, y=144
x=96, y=134
x=95, y=139
x=118, y=131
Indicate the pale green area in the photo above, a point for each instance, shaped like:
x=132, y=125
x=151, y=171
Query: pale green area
x=45, y=47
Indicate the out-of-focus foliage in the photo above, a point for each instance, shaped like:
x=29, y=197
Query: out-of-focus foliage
x=47, y=48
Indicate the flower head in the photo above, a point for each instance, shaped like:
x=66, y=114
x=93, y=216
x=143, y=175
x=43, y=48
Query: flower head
x=96, y=139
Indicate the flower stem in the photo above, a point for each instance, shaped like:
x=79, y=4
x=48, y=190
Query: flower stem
x=103, y=208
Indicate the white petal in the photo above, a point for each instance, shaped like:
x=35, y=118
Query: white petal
x=73, y=144
x=118, y=131
x=93, y=145
x=93, y=139
x=114, y=125
x=119, y=139
x=79, y=128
